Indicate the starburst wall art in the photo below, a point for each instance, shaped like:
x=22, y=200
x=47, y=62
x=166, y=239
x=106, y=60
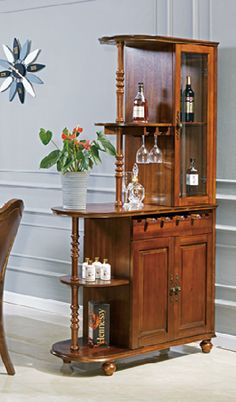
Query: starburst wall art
x=19, y=70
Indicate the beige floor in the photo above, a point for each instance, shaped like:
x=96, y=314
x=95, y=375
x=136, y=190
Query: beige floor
x=184, y=375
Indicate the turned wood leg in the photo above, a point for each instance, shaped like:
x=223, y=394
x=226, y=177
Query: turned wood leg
x=4, y=352
x=206, y=345
x=109, y=368
x=74, y=289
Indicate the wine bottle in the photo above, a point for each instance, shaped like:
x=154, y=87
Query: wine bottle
x=192, y=179
x=140, y=106
x=189, y=101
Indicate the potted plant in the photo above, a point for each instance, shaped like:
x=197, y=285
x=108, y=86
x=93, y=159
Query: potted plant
x=74, y=160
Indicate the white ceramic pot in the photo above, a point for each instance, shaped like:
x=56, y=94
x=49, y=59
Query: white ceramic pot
x=74, y=189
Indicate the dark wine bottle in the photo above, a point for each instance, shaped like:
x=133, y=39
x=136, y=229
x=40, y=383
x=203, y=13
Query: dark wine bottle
x=189, y=101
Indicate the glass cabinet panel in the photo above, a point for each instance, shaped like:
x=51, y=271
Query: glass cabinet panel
x=194, y=124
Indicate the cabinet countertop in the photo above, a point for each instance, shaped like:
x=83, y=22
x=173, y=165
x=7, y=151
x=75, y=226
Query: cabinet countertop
x=109, y=210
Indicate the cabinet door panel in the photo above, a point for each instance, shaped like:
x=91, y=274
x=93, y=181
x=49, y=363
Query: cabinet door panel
x=193, y=265
x=151, y=273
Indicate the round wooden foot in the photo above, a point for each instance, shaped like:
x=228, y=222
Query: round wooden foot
x=206, y=346
x=109, y=368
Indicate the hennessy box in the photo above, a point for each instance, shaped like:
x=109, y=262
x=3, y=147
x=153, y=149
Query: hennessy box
x=98, y=324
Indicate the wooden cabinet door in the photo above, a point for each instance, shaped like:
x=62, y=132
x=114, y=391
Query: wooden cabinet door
x=151, y=312
x=194, y=303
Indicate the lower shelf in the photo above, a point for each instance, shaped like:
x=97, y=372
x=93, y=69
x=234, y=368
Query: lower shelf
x=87, y=354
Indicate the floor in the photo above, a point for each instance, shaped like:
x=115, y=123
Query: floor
x=185, y=374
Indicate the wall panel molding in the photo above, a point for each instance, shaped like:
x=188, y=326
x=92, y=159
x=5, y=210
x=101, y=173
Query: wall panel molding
x=39, y=258
x=56, y=187
x=195, y=19
x=170, y=18
x=35, y=271
x=13, y=7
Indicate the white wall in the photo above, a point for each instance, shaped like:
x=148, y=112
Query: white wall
x=80, y=88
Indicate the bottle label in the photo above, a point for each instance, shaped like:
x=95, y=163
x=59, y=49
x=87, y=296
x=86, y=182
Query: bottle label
x=106, y=272
x=138, y=112
x=189, y=102
x=90, y=273
x=192, y=179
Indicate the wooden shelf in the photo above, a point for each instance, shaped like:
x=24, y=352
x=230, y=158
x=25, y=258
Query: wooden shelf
x=109, y=210
x=132, y=124
x=87, y=354
x=142, y=40
x=128, y=128
x=97, y=284
x=193, y=123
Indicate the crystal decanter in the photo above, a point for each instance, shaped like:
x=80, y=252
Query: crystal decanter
x=136, y=192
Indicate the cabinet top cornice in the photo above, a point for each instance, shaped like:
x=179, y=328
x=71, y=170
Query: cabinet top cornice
x=138, y=40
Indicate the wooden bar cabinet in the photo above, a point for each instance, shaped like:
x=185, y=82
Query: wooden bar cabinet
x=163, y=255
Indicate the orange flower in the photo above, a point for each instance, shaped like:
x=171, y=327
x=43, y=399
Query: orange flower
x=87, y=145
x=68, y=137
x=77, y=130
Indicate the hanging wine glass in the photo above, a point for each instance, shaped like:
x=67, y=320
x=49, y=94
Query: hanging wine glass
x=142, y=155
x=127, y=180
x=155, y=154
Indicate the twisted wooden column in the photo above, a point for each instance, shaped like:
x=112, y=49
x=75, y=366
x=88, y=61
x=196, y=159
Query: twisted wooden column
x=120, y=84
x=74, y=288
x=119, y=119
x=119, y=166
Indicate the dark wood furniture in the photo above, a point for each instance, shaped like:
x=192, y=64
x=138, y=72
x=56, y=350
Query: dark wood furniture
x=162, y=257
x=10, y=217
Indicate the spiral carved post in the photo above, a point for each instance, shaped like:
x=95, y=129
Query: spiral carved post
x=120, y=84
x=74, y=289
x=119, y=166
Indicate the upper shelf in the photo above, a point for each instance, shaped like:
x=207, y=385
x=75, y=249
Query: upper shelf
x=140, y=40
x=158, y=128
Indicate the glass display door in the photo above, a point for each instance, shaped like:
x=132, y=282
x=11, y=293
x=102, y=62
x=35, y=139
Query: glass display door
x=195, y=92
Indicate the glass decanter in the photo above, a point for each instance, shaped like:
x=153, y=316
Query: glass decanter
x=126, y=182
x=136, y=192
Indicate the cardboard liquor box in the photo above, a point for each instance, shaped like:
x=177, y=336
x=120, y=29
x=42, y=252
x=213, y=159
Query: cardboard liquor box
x=98, y=323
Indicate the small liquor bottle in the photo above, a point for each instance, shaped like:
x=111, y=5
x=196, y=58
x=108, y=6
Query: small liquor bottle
x=192, y=179
x=90, y=272
x=97, y=265
x=140, y=107
x=105, y=270
x=84, y=265
x=189, y=101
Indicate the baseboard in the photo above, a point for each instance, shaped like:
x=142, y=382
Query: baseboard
x=225, y=341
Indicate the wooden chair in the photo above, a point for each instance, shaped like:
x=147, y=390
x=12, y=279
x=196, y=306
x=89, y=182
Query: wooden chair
x=10, y=217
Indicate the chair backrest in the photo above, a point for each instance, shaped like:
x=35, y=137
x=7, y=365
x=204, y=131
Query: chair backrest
x=10, y=217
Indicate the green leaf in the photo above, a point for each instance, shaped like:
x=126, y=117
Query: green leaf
x=95, y=154
x=65, y=131
x=109, y=148
x=50, y=160
x=45, y=136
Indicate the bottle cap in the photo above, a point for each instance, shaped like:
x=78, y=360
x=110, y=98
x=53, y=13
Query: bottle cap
x=105, y=260
x=96, y=259
x=188, y=78
x=87, y=259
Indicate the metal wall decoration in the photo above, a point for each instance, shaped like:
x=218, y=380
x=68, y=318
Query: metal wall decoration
x=19, y=69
